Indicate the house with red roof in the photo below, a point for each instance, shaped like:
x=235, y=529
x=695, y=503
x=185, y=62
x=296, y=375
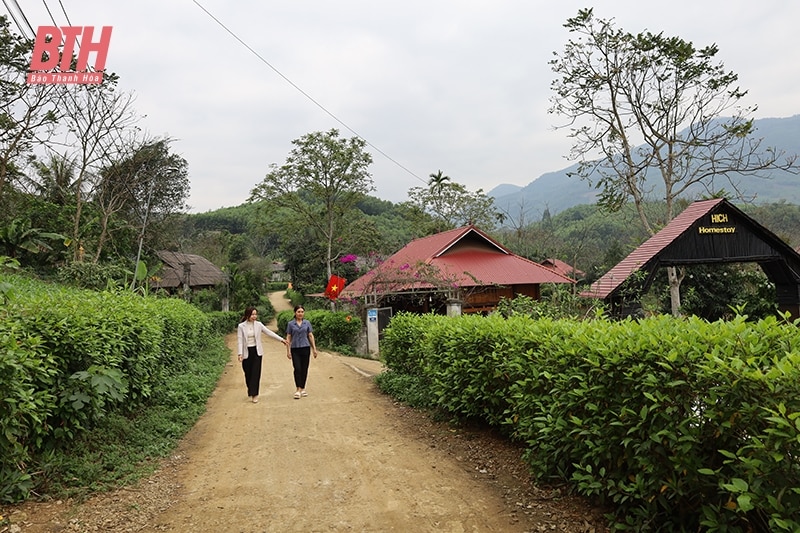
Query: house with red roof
x=463, y=265
x=563, y=268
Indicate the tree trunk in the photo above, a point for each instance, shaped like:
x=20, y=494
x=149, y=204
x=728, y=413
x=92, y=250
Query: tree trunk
x=674, y=290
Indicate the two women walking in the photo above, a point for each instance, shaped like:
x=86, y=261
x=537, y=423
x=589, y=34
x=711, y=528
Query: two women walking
x=300, y=344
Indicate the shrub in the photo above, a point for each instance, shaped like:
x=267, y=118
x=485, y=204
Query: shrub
x=404, y=344
x=70, y=357
x=224, y=322
x=93, y=275
x=334, y=330
x=677, y=424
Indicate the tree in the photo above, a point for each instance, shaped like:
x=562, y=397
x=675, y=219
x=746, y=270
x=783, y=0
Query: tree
x=19, y=236
x=56, y=180
x=145, y=177
x=27, y=111
x=654, y=105
x=322, y=180
x=158, y=188
x=101, y=126
x=451, y=205
x=437, y=182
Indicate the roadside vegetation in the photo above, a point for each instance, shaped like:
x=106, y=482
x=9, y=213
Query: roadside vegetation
x=97, y=385
x=677, y=424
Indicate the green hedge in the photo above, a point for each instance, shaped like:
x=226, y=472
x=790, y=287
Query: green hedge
x=334, y=330
x=71, y=356
x=224, y=322
x=677, y=424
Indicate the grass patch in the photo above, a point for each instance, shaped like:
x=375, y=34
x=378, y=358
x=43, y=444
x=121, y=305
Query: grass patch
x=411, y=390
x=125, y=447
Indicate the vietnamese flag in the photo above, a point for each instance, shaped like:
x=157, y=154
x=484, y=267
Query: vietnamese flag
x=335, y=286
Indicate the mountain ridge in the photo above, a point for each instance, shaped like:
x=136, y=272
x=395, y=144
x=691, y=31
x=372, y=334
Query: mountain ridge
x=557, y=191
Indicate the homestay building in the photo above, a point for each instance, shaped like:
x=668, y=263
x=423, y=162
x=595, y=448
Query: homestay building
x=706, y=232
x=453, y=272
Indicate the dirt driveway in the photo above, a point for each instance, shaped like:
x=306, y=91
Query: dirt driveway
x=345, y=458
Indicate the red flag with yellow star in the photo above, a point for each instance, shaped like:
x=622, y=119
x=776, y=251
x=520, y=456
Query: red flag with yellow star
x=335, y=286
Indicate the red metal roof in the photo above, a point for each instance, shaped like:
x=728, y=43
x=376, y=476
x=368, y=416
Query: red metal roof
x=466, y=256
x=562, y=267
x=637, y=259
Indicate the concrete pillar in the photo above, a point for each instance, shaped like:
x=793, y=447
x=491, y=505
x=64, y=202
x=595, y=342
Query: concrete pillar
x=453, y=307
x=372, y=331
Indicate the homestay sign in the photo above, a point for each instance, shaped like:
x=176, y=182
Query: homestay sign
x=56, y=47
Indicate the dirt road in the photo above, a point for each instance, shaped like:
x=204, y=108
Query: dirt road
x=345, y=458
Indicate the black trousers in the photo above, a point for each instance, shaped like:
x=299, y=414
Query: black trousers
x=252, y=371
x=301, y=357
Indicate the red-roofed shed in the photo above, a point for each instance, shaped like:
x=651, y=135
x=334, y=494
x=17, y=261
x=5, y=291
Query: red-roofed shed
x=563, y=268
x=463, y=263
x=706, y=232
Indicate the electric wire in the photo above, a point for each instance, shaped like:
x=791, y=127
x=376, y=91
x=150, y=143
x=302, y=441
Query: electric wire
x=22, y=14
x=20, y=26
x=69, y=22
x=50, y=13
x=304, y=93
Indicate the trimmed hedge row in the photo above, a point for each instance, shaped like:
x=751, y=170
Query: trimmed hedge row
x=70, y=356
x=335, y=330
x=677, y=424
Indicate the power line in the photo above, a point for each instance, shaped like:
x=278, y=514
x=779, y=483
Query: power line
x=23, y=30
x=65, y=12
x=301, y=91
x=50, y=13
x=22, y=13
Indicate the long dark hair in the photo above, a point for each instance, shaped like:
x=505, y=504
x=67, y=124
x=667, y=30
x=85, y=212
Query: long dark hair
x=247, y=313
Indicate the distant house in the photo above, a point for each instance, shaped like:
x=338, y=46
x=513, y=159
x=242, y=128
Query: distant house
x=563, y=268
x=279, y=272
x=464, y=265
x=187, y=271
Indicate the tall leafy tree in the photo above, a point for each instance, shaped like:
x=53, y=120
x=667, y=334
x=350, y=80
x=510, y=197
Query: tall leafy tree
x=645, y=105
x=156, y=188
x=27, y=111
x=451, y=204
x=323, y=179
x=145, y=179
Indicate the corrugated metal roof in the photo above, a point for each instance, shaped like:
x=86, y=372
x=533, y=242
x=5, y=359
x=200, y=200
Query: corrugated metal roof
x=466, y=256
x=562, y=267
x=645, y=253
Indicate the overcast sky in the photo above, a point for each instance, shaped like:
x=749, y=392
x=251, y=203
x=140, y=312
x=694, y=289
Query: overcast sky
x=457, y=85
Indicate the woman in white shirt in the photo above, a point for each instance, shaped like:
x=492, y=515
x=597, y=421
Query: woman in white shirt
x=251, y=350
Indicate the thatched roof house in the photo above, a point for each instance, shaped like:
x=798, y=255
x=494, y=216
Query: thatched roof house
x=187, y=271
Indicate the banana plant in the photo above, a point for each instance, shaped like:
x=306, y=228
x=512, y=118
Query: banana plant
x=19, y=236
